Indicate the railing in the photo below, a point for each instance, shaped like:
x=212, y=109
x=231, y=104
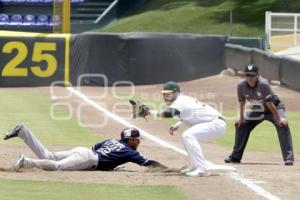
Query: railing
x=287, y=27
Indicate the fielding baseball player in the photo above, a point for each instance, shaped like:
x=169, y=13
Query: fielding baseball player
x=102, y=156
x=263, y=104
x=205, y=123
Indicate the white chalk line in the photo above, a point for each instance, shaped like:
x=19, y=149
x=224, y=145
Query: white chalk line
x=235, y=176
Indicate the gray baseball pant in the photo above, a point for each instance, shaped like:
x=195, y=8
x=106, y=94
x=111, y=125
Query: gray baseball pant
x=76, y=159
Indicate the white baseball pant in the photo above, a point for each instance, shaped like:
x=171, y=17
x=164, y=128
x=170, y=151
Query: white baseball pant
x=204, y=132
x=79, y=158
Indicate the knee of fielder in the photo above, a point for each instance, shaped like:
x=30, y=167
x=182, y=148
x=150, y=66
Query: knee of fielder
x=187, y=136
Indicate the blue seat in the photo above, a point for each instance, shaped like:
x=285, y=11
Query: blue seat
x=33, y=1
x=46, y=1
x=74, y=1
x=38, y=1
x=29, y=20
x=16, y=19
x=42, y=20
x=4, y=19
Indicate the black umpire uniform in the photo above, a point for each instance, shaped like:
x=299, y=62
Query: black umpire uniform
x=257, y=112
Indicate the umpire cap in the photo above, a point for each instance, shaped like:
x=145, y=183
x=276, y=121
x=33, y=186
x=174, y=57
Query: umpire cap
x=130, y=133
x=170, y=86
x=251, y=70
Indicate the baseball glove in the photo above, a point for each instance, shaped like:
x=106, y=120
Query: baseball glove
x=139, y=109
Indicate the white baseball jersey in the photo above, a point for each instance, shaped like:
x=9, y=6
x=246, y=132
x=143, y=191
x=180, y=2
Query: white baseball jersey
x=205, y=125
x=192, y=111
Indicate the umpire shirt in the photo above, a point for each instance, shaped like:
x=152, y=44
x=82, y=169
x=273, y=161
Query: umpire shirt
x=258, y=95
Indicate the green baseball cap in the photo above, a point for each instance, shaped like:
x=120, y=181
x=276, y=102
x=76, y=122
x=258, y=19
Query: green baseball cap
x=170, y=86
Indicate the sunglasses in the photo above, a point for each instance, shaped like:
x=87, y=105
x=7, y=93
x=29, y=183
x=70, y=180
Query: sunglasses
x=250, y=75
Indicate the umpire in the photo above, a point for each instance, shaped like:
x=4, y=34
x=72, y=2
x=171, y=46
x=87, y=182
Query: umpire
x=263, y=105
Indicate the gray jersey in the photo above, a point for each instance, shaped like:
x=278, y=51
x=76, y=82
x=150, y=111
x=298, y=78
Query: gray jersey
x=257, y=95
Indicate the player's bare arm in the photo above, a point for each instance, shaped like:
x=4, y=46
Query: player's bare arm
x=154, y=164
x=175, y=127
x=168, y=113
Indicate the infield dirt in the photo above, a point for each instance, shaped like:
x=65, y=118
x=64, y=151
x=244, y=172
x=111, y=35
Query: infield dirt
x=265, y=169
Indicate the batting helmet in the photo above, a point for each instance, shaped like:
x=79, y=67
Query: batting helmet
x=130, y=133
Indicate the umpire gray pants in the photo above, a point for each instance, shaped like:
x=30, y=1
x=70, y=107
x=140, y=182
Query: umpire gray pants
x=79, y=158
x=242, y=135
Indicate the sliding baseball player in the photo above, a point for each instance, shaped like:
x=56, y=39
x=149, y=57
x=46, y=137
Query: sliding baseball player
x=103, y=156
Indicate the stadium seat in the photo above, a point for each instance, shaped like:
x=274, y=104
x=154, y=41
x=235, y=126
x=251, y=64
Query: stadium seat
x=4, y=19
x=29, y=20
x=18, y=1
x=33, y=1
x=37, y=1
x=46, y=1
x=42, y=20
x=16, y=19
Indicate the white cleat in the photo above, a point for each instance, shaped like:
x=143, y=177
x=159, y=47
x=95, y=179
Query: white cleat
x=186, y=170
x=199, y=173
x=20, y=162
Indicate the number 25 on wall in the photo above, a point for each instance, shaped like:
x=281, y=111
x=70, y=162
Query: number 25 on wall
x=13, y=68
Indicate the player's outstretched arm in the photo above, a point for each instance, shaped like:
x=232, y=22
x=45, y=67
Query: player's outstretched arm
x=167, y=113
x=154, y=164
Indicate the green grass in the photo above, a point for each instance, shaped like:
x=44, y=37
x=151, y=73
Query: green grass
x=33, y=109
x=263, y=138
x=37, y=190
x=202, y=16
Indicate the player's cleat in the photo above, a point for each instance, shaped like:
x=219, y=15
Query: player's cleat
x=231, y=160
x=20, y=162
x=14, y=132
x=199, y=173
x=186, y=170
x=289, y=162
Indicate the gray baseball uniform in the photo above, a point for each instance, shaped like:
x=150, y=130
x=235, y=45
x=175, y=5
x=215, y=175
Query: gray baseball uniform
x=258, y=112
x=105, y=155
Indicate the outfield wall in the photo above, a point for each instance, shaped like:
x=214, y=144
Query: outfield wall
x=34, y=59
x=31, y=59
x=146, y=58
x=272, y=67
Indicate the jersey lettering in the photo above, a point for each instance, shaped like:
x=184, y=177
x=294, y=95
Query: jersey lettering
x=110, y=146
